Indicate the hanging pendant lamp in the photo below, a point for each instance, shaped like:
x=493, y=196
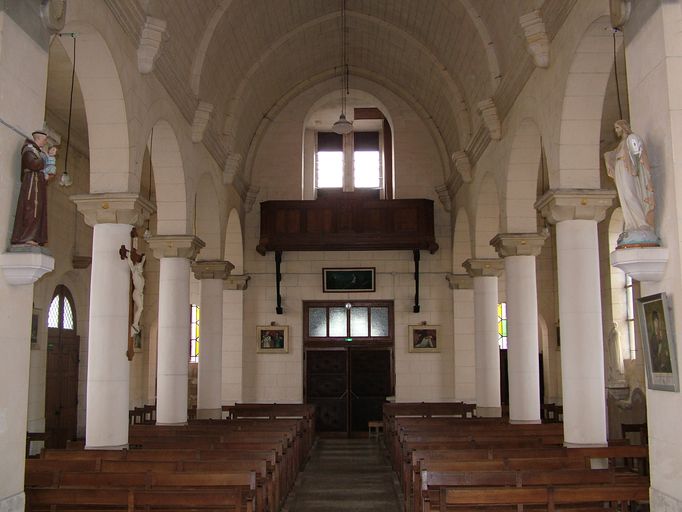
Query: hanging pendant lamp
x=66, y=180
x=343, y=125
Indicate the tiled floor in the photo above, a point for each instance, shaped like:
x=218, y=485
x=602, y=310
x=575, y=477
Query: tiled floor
x=348, y=475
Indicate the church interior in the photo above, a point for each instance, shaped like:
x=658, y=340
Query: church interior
x=456, y=248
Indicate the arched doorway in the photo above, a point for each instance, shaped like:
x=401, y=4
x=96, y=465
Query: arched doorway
x=61, y=387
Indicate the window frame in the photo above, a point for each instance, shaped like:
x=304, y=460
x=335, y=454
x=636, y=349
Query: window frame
x=194, y=357
x=62, y=294
x=341, y=341
x=348, y=151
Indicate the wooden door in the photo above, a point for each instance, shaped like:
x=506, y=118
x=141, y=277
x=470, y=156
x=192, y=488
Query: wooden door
x=61, y=387
x=327, y=388
x=370, y=384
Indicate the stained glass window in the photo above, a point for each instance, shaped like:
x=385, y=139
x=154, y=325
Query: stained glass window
x=194, y=334
x=502, y=325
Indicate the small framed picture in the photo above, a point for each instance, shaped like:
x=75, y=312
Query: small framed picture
x=272, y=339
x=660, y=354
x=423, y=338
x=35, y=324
x=348, y=280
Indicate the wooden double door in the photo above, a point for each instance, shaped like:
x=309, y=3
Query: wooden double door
x=348, y=386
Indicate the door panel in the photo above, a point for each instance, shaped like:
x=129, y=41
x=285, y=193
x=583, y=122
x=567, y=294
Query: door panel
x=61, y=393
x=327, y=388
x=370, y=384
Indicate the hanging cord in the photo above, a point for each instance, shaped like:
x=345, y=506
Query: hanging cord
x=615, y=70
x=68, y=126
x=344, y=75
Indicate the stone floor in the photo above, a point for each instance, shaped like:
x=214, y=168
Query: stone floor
x=348, y=475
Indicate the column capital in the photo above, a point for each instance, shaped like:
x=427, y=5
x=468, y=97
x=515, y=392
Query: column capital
x=175, y=246
x=114, y=208
x=215, y=269
x=236, y=283
x=25, y=265
x=575, y=204
x=484, y=267
x=460, y=281
x=519, y=244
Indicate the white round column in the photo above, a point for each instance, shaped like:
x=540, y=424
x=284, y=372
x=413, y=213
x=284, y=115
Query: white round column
x=519, y=251
x=174, y=253
x=108, y=382
x=582, y=346
x=576, y=214
x=485, y=274
x=108, y=388
x=209, y=386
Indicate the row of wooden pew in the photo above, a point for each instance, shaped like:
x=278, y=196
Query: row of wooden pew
x=240, y=464
x=453, y=462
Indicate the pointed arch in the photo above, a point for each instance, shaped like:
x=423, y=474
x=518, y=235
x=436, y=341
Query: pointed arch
x=234, y=245
x=520, y=215
x=207, y=213
x=581, y=113
x=105, y=110
x=169, y=180
x=487, y=221
x=461, y=241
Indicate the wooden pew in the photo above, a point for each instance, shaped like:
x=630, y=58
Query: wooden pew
x=230, y=499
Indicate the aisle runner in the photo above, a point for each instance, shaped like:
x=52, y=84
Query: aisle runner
x=348, y=475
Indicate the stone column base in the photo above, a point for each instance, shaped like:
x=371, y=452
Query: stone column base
x=489, y=412
x=209, y=414
x=181, y=424
x=16, y=503
x=525, y=422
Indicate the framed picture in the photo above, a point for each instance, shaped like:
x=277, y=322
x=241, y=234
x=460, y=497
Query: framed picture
x=348, y=280
x=660, y=354
x=35, y=323
x=423, y=338
x=272, y=339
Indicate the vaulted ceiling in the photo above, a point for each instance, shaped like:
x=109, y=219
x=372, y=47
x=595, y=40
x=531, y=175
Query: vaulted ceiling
x=243, y=56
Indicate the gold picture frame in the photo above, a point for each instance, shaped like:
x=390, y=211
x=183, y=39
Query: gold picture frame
x=272, y=339
x=423, y=338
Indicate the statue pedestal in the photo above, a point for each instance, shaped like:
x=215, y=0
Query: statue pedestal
x=641, y=263
x=26, y=265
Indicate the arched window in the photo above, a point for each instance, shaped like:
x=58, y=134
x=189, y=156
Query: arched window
x=62, y=314
x=194, y=334
x=502, y=325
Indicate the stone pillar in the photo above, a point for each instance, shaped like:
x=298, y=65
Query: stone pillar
x=23, y=79
x=519, y=251
x=212, y=274
x=233, y=338
x=576, y=214
x=175, y=253
x=462, y=286
x=112, y=217
x=485, y=272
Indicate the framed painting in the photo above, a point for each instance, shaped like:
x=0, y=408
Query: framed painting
x=423, y=338
x=348, y=280
x=35, y=323
x=272, y=339
x=658, y=337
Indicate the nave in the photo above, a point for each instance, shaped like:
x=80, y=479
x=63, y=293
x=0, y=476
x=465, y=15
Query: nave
x=257, y=461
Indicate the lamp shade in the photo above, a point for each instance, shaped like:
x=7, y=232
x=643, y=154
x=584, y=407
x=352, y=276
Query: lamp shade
x=342, y=126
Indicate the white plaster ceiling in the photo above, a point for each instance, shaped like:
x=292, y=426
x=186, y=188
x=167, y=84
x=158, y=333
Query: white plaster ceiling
x=243, y=56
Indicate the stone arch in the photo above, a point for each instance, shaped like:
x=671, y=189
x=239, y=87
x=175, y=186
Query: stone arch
x=582, y=107
x=105, y=110
x=461, y=241
x=207, y=223
x=522, y=175
x=234, y=243
x=487, y=220
x=169, y=180
x=331, y=75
